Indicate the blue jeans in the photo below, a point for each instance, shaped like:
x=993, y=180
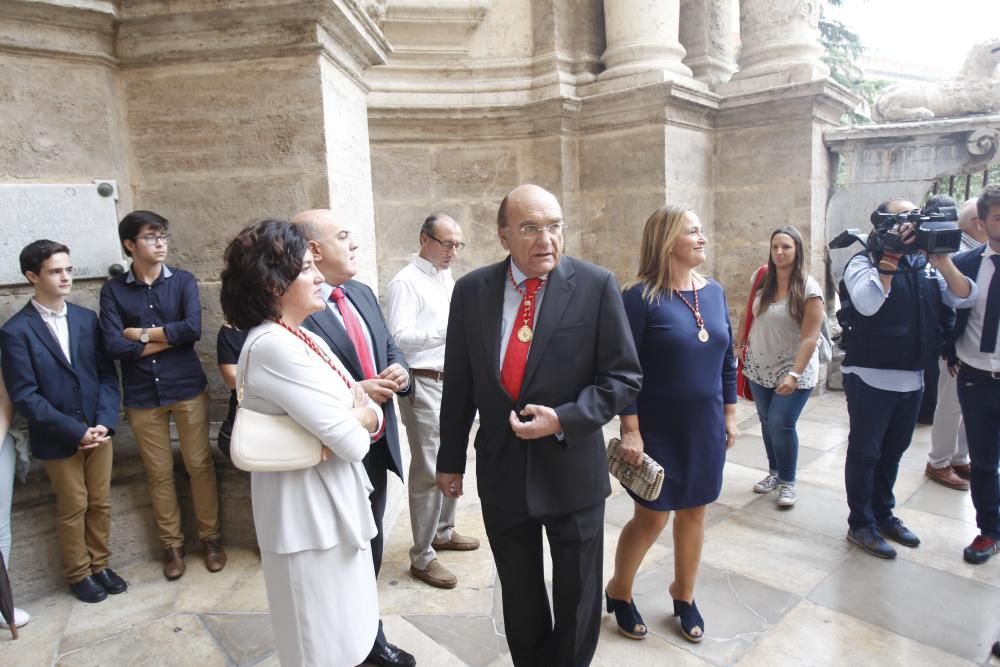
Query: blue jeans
x=778, y=415
x=980, y=400
x=882, y=424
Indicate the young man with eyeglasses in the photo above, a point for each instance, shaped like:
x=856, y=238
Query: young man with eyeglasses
x=150, y=320
x=417, y=301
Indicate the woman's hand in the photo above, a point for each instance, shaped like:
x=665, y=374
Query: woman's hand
x=787, y=386
x=631, y=448
x=358, y=395
x=731, y=431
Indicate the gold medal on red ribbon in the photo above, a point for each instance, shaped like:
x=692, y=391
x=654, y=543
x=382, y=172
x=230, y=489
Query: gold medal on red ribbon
x=703, y=335
x=524, y=334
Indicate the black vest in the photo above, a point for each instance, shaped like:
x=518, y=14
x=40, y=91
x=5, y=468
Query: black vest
x=905, y=333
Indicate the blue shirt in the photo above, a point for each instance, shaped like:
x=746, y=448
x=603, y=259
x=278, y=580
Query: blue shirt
x=171, y=302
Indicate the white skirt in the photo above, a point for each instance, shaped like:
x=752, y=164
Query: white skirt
x=324, y=605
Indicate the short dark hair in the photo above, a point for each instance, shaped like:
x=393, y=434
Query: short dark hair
x=936, y=202
x=35, y=253
x=990, y=196
x=260, y=264
x=132, y=224
x=431, y=221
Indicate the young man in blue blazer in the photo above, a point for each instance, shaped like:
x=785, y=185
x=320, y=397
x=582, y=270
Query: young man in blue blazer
x=60, y=378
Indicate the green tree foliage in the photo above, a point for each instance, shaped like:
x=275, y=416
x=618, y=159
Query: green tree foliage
x=843, y=50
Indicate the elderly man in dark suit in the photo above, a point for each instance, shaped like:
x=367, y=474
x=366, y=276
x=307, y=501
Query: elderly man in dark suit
x=355, y=328
x=539, y=344
x=62, y=380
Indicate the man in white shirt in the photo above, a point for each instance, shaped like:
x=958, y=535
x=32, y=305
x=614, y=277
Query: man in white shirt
x=417, y=300
x=948, y=460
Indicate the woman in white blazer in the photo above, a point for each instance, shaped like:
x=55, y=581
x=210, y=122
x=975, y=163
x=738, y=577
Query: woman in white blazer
x=314, y=526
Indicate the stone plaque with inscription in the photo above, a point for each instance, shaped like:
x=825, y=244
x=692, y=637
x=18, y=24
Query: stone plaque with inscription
x=84, y=217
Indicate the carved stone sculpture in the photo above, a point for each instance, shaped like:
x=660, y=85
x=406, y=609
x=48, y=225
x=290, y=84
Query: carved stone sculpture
x=975, y=90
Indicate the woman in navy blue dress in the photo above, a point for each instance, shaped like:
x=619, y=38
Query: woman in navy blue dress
x=684, y=417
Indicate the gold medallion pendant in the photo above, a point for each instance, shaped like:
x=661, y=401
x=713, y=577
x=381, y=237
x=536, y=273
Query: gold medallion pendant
x=703, y=335
x=524, y=334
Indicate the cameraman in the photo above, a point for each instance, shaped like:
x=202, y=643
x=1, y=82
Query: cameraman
x=895, y=332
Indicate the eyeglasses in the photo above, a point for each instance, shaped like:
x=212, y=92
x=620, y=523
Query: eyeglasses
x=533, y=231
x=154, y=239
x=447, y=245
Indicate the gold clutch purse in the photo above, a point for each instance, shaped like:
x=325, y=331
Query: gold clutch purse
x=644, y=480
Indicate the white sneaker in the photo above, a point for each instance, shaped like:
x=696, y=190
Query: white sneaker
x=768, y=484
x=21, y=618
x=786, y=494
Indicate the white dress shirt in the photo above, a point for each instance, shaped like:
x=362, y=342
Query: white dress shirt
x=967, y=346
x=417, y=301
x=58, y=324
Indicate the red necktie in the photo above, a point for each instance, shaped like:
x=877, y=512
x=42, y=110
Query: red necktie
x=355, y=333
x=516, y=357
x=358, y=339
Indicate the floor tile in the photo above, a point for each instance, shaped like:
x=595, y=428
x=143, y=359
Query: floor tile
x=818, y=509
x=817, y=636
x=472, y=639
x=178, y=641
x=246, y=638
x=749, y=451
x=773, y=551
x=936, y=499
x=737, y=610
x=941, y=609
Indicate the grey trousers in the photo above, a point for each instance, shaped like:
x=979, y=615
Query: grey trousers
x=432, y=516
x=948, y=443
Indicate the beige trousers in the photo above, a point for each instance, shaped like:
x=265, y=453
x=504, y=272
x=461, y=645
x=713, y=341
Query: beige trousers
x=432, y=516
x=82, y=485
x=151, y=427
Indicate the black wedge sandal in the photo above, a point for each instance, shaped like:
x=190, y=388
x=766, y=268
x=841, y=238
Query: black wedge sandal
x=627, y=616
x=690, y=619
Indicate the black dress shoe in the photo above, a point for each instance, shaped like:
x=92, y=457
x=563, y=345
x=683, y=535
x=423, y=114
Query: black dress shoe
x=88, y=590
x=111, y=582
x=387, y=655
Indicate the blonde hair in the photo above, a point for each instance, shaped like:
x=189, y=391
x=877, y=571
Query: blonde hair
x=659, y=235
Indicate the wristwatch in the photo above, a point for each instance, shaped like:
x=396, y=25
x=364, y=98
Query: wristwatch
x=144, y=335
x=797, y=376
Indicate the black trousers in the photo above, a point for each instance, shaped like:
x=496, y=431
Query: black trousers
x=377, y=466
x=576, y=543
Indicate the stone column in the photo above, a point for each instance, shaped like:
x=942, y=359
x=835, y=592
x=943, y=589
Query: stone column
x=705, y=34
x=780, y=42
x=642, y=36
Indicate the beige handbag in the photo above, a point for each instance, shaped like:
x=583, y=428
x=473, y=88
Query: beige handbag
x=644, y=480
x=270, y=443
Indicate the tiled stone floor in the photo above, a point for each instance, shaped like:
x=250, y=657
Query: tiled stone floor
x=776, y=587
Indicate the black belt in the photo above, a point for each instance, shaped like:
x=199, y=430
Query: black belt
x=972, y=370
x=428, y=373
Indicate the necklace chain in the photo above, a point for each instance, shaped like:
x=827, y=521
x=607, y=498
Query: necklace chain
x=315, y=348
x=696, y=308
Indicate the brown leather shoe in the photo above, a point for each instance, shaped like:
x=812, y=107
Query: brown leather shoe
x=457, y=543
x=215, y=557
x=963, y=470
x=946, y=477
x=174, y=567
x=436, y=575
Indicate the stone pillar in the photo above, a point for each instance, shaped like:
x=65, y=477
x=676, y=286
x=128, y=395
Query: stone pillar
x=705, y=34
x=642, y=36
x=780, y=42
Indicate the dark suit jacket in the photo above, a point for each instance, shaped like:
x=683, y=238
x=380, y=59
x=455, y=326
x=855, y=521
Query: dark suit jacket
x=61, y=401
x=968, y=264
x=582, y=363
x=386, y=353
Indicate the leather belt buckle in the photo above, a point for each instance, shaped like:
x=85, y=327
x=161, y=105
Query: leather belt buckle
x=437, y=376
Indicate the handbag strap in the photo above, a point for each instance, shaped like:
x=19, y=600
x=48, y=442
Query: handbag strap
x=748, y=315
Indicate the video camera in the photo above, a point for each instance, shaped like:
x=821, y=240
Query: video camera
x=935, y=228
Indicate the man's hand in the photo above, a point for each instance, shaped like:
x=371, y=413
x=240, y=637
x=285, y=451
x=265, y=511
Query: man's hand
x=450, y=484
x=132, y=333
x=397, y=374
x=379, y=390
x=544, y=421
x=94, y=437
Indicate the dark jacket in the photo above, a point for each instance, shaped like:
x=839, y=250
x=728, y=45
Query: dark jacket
x=968, y=264
x=582, y=363
x=60, y=400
